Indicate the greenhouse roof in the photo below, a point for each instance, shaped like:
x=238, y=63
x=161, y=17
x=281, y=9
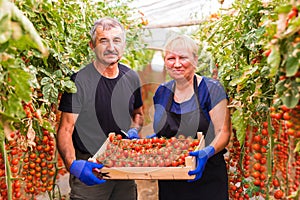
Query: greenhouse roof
x=176, y=13
x=167, y=16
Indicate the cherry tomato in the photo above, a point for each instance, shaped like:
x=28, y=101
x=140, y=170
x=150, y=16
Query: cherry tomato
x=278, y=194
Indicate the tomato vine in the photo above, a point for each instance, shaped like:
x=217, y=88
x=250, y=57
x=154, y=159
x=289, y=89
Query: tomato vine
x=255, y=49
x=41, y=44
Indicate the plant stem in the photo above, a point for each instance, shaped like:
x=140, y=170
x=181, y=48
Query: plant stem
x=7, y=170
x=270, y=155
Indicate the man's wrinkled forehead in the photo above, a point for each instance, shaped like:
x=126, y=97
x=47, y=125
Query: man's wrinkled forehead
x=115, y=32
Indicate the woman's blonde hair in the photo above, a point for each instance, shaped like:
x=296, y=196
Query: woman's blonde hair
x=181, y=40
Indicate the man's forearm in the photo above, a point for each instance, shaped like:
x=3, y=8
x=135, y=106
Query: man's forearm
x=65, y=149
x=64, y=139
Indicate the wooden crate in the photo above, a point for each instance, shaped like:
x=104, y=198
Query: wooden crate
x=151, y=173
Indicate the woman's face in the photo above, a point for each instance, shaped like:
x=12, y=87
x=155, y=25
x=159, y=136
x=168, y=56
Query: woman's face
x=180, y=63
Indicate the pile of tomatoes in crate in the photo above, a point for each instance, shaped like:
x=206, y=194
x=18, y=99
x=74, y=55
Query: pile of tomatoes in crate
x=147, y=152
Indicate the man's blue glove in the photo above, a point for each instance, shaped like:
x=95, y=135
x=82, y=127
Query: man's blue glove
x=151, y=136
x=202, y=156
x=83, y=170
x=133, y=134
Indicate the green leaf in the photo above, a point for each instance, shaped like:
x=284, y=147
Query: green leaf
x=70, y=86
x=291, y=96
x=238, y=80
x=297, y=148
x=14, y=107
x=292, y=66
x=6, y=116
x=45, y=72
x=22, y=43
x=284, y=8
x=239, y=124
x=46, y=125
x=280, y=88
x=5, y=28
x=20, y=81
x=293, y=27
x=53, y=95
x=46, y=80
x=274, y=60
x=27, y=25
x=242, y=80
x=58, y=74
x=46, y=90
x=4, y=46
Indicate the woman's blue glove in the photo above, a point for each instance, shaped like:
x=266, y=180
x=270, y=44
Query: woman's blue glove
x=202, y=156
x=133, y=134
x=151, y=136
x=83, y=170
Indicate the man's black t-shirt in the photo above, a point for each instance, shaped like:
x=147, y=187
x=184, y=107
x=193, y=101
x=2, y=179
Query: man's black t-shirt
x=104, y=105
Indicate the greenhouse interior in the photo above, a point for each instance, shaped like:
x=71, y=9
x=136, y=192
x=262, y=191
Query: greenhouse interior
x=239, y=69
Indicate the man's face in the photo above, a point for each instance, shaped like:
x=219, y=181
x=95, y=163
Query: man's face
x=109, y=45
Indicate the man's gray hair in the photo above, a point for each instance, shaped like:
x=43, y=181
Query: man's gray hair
x=106, y=24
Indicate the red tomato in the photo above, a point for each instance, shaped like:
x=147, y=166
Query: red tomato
x=278, y=194
x=257, y=166
x=15, y=161
x=146, y=163
x=264, y=132
x=255, y=174
x=257, y=138
x=174, y=163
x=119, y=137
x=278, y=116
x=161, y=163
x=257, y=156
x=276, y=183
x=264, y=142
x=256, y=147
x=155, y=140
x=286, y=116
x=180, y=161
x=263, y=161
x=32, y=155
x=168, y=162
x=111, y=137
x=293, y=13
x=162, y=140
x=267, y=52
x=17, y=184
x=257, y=182
x=14, y=151
x=153, y=163
x=284, y=108
x=263, y=177
x=14, y=169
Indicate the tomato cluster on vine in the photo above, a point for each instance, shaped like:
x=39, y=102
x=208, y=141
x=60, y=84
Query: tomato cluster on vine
x=32, y=170
x=267, y=164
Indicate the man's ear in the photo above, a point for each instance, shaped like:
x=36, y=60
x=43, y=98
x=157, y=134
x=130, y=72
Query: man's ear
x=91, y=45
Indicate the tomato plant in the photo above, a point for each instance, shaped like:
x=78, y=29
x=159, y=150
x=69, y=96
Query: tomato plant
x=256, y=47
x=41, y=44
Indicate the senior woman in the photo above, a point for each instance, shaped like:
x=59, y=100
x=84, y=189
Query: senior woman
x=184, y=106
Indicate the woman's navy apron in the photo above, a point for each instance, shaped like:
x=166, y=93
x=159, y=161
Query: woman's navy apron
x=213, y=185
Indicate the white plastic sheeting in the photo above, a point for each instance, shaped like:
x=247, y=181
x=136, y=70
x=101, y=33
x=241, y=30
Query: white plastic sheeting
x=170, y=13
